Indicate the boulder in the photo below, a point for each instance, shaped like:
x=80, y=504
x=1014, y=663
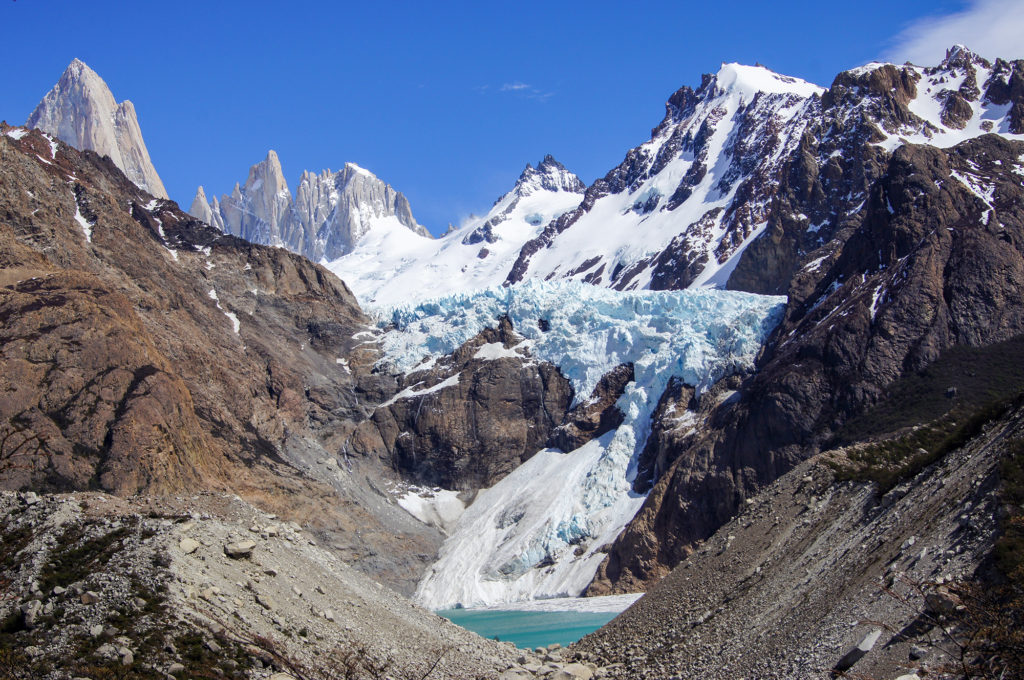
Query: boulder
x=30, y=612
x=239, y=549
x=858, y=652
x=573, y=671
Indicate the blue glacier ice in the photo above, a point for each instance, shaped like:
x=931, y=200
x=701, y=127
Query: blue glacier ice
x=698, y=335
x=518, y=540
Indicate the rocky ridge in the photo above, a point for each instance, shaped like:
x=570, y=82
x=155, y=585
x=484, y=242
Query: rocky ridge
x=330, y=212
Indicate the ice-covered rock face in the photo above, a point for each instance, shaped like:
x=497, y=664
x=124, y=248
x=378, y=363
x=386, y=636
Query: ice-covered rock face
x=536, y=532
x=330, y=213
x=81, y=111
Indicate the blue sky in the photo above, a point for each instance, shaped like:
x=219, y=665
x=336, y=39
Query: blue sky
x=445, y=101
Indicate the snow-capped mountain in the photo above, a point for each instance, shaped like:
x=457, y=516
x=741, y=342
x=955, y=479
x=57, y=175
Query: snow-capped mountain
x=393, y=266
x=682, y=208
x=81, y=111
x=330, y=213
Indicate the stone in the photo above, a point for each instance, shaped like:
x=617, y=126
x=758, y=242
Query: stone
x=573, y=671
x=917, y=652
x=328, y=614
x=90, y=597
x=58, y=590
x=175, y=668
x=96, y=631
x=941, y=602
x=239, y=549
x=858, y=652
x=30, y=612
x=514, y=674
x=188, y=545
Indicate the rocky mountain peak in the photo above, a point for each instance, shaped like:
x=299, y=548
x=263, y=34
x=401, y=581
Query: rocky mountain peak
x=266, y=180
x=747, y=81
x=549, y=175
x=81, y=111
x=329, y=213
x=959, y=56
x=201, y=206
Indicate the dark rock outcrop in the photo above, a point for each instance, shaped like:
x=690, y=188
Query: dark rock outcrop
x=597, y=415
x=470, y=419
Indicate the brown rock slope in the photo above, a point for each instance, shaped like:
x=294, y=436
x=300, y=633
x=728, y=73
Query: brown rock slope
x=145, y=352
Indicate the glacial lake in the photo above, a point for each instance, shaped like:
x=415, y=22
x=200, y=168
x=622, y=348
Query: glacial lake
x=541, y=623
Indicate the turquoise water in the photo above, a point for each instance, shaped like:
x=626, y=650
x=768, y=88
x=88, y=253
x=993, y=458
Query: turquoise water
x=529, y=629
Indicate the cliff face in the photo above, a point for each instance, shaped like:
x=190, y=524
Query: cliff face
x=468, y=421
x=81, y=111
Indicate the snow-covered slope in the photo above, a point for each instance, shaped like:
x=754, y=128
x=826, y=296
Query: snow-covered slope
x=389, y=267
x=330, y=213
x=81, y=111
x=536, y=533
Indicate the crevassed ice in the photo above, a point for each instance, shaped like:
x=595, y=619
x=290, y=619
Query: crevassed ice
x=698, y=335
x=535, y=533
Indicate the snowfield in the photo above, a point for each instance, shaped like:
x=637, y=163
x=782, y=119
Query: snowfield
x=519, y=539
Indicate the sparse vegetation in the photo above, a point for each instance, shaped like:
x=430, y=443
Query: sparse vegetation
x=955, y=385
x=926, y=415
x=891, y=461
x=70, y=563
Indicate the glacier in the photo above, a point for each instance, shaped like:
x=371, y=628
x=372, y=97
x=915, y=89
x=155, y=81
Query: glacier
x=536, y=533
